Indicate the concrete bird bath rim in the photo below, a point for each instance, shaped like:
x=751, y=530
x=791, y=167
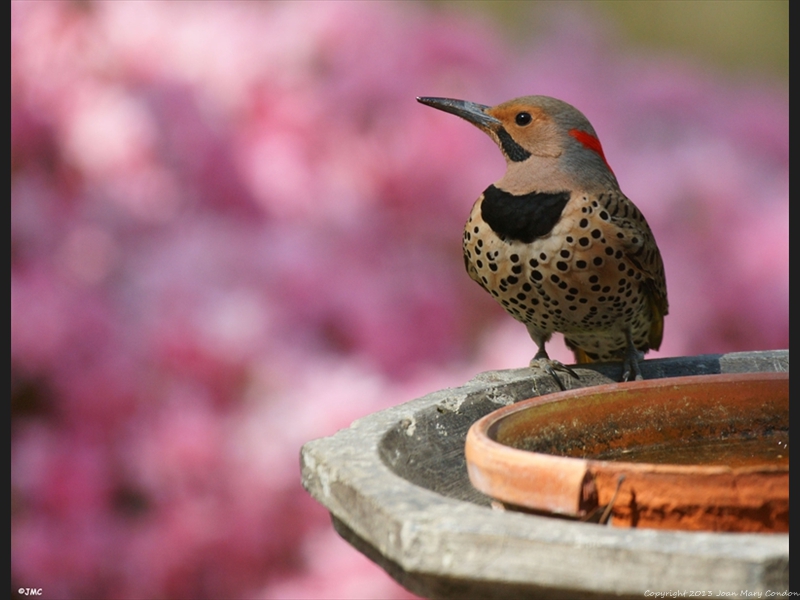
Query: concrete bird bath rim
x=396, y=485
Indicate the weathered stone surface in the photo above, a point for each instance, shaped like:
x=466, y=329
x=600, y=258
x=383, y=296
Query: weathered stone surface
x=396, y=485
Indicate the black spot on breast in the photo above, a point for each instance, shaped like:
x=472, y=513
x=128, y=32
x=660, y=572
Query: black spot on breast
x=522, y=218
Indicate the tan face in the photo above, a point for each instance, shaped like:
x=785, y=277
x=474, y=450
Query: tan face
x=530, y=126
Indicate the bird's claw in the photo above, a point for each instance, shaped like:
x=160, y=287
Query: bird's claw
x=630, y=366
x=551, y=367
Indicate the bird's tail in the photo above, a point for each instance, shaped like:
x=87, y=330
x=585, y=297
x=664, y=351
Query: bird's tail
x=580, y=355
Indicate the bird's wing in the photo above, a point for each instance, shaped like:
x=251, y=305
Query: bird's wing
x=637, y=242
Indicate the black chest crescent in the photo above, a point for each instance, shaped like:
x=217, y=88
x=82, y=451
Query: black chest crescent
x=522, y=218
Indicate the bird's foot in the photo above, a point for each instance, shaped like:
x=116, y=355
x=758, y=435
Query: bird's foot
x=552, y=367
x=630, y=365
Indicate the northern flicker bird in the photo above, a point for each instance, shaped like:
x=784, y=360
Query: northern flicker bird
x=557, y=243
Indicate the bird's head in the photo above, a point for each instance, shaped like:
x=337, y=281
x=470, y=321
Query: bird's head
x=547, y=143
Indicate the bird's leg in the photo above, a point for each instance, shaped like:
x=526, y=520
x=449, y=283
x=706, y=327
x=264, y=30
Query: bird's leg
x=630, y=363
x=549, y=366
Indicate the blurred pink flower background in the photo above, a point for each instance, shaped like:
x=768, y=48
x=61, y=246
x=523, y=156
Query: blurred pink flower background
x=234, y=230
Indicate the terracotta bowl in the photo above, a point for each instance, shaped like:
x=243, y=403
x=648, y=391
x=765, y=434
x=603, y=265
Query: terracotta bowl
x=707, y=452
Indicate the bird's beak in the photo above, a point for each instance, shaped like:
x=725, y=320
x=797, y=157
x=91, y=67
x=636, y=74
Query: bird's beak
x=470, y=111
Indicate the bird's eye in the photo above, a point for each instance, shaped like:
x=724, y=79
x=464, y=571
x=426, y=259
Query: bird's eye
x=523, y=118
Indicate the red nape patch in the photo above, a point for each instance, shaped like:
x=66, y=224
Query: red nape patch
x=590, y=142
